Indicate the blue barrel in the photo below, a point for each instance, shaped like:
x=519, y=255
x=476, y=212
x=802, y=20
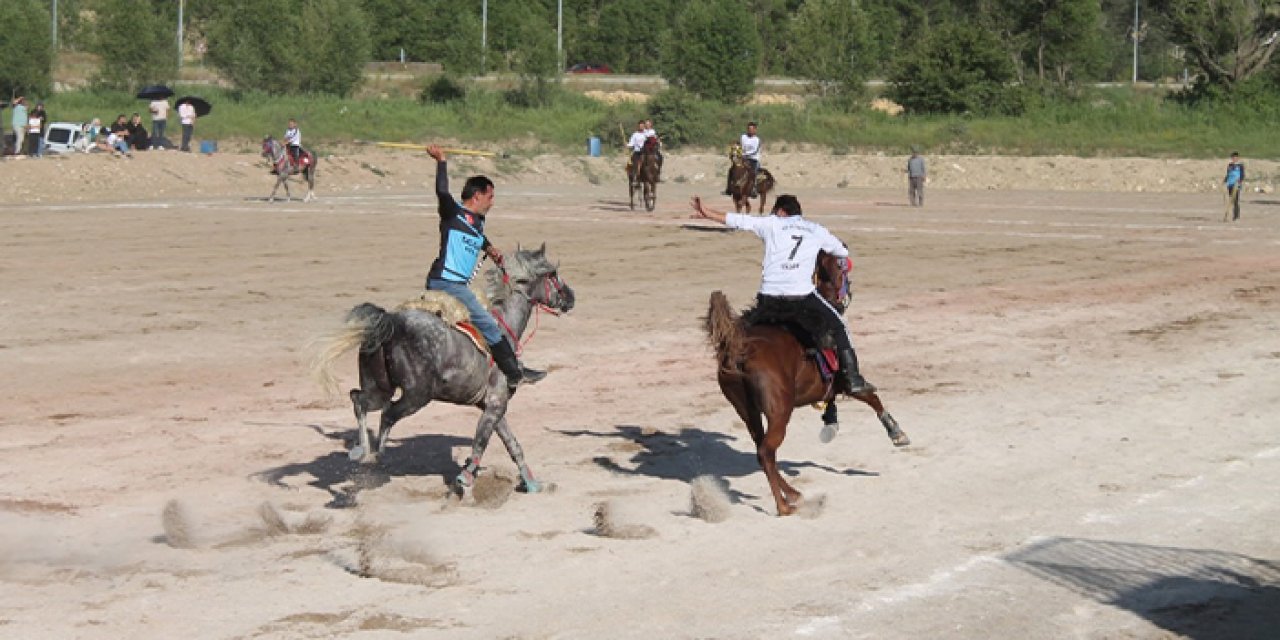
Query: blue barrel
x=208, y=146
x=593, y=147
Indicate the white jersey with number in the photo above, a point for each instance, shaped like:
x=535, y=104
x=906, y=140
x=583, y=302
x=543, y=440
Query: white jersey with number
x=791, y=247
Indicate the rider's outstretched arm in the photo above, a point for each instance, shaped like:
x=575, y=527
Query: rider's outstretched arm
x=704, y=212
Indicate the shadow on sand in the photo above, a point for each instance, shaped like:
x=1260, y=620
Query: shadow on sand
x=1197, y=593
x=344, y=479
x=688, y=454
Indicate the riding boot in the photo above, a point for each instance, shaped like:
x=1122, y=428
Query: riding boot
x=505, y=357
x=531, y=376
x=854, y=382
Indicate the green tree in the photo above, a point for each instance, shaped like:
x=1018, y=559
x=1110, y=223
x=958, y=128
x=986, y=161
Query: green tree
x=1061, y=38
x=830, y=44
x=402, y=24
x=136, y=43
x=332, y=57
x=714, y=50
x=1229, y=41
x=290, y=46
x=957, y=68
x=25, y=48
x=460, y=43
x=254, y=44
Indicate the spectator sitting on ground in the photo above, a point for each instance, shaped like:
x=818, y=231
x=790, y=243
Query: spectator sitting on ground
x=137, y=134
x=100, y=142
x=89, y=140
x=118, y=142
x=121, y=129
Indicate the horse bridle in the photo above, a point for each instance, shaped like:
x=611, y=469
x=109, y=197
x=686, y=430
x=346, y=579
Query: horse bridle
x=549, y=283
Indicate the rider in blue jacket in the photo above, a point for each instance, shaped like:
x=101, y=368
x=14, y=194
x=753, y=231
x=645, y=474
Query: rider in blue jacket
x=462, y=240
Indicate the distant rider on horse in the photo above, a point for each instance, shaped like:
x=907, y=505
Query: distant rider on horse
x=293, y=140
x=462, y=238
x=636, y=144
x=791, y=246
x=749, y=143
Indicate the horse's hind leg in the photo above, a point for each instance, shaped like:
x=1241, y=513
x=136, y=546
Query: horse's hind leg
x=363, y=401
x=410, y=402
x=784, y=494
x=896, y=434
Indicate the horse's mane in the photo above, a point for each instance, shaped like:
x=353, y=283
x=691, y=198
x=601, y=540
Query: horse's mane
x=521, y=265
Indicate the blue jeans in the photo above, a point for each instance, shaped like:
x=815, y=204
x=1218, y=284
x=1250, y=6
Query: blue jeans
x=157, y=130
x=186, y=136
x=480, y=317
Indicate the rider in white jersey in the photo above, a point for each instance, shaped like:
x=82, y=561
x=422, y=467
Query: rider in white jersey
x=636, y=144
x=293, y=139
x=791, y=246
x=749, y=142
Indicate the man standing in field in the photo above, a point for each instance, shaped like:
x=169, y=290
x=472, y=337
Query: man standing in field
x=915, y=178
x=1234, y=182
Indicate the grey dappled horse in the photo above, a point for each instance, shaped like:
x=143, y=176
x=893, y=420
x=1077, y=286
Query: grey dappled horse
x=285, y=167
x=426, y=359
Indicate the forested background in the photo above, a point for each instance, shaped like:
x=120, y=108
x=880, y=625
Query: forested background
x=979, y=58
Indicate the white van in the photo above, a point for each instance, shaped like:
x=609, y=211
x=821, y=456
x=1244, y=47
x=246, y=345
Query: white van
x=64, y=137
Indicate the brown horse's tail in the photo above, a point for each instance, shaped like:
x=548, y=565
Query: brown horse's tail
x=367, y=326
x=724, y=331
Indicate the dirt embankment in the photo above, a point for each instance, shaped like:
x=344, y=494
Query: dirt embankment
x=166, y=174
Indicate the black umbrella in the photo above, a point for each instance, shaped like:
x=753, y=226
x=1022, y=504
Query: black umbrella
x=155, y=92
x=202, y=106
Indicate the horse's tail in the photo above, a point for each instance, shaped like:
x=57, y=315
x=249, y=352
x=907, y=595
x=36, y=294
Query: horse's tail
x=724, y=331
x=367, y=326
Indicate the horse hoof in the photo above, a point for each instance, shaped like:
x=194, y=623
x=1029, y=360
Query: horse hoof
x=900, y=440
x=529, y=485
x=829, y=432
x=356, y=454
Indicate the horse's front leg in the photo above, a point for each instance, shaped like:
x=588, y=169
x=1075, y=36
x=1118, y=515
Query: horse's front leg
x=527, y=482
x=895, y=433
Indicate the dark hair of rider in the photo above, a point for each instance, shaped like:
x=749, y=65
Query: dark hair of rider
x=788, y=203
x=474, y=185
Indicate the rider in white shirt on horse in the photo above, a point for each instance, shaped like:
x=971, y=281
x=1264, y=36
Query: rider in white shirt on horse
x=750, y=145
x=636, y=144
x=293, y=139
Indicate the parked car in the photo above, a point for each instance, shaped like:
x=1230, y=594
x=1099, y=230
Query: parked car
x=64, y=137
x=590, y=67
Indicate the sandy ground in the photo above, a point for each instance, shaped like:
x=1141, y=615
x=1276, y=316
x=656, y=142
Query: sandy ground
x=1085, y=356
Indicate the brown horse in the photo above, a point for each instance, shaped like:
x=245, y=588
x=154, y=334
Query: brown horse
x=765, y=369
x=644, y=179
x=740, y=185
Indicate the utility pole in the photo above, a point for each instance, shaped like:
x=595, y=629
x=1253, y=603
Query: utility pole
x=1136, y=37
x=560, y=35
x=55, y=26
x=484, y=36
x=180, y=7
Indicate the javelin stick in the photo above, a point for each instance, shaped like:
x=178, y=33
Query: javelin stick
x=421, y=147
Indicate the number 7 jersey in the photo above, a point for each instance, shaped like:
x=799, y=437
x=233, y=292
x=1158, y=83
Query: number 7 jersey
x=791, y=246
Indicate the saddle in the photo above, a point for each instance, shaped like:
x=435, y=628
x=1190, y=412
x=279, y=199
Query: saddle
x=451, y=311
x=820, y=346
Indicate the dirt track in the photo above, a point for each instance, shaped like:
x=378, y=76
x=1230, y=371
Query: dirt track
x=1089, y=379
